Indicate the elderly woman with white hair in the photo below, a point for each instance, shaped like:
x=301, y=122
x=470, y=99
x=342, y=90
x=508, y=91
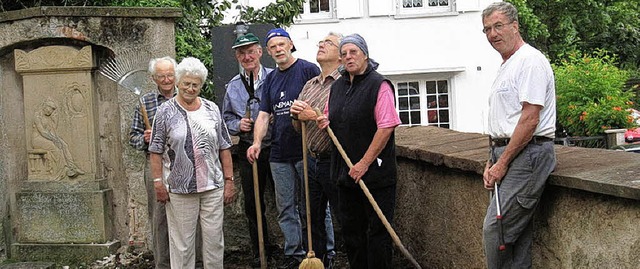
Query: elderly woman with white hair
x=192, y=168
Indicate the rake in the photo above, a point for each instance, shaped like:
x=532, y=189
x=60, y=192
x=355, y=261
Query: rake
x=129, y=70
x=373, y=202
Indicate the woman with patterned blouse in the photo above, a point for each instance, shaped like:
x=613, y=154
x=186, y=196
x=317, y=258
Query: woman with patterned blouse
x=192, y=168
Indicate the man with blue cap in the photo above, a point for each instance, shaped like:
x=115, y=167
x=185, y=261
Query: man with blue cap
x=281, y=88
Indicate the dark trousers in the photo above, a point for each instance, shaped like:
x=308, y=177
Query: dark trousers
x=264, y=175
x=158, y=222
x=367, y=242
x=321, y=190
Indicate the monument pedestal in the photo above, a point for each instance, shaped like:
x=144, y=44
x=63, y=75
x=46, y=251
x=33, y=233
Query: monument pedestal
x=67, y=222
x=64, y=254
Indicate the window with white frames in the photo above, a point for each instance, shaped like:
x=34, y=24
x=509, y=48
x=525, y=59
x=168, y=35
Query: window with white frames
x=425, y=7
x=424, y=102
x=318, y=10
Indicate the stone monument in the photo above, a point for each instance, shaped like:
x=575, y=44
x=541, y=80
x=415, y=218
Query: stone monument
x=64, y=189
x=71, y=188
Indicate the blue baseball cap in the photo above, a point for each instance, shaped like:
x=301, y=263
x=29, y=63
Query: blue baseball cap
x=278, y=32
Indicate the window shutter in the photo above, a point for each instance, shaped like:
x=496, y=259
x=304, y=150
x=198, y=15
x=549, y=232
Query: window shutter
x=349, y=9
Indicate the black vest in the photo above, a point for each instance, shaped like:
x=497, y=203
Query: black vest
x=351, y=116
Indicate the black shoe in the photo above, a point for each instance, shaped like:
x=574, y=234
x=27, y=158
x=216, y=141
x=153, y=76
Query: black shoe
x=290, y=262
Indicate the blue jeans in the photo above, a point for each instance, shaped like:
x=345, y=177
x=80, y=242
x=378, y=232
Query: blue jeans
x=322, y=190
x=519, y=193
x=287, y=179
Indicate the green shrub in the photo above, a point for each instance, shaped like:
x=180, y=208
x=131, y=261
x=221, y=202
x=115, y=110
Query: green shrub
x=590, y=95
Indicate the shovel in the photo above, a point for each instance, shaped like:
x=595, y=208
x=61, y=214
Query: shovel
x=373, y=202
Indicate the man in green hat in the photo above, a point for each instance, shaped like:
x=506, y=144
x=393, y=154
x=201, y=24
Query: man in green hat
x=243, y=95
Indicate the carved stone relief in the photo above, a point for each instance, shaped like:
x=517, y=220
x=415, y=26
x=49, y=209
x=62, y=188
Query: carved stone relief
x=53, y=57
x=49, y=149
x=59, y=114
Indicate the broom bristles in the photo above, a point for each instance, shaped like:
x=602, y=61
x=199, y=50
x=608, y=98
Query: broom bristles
x=311, y=262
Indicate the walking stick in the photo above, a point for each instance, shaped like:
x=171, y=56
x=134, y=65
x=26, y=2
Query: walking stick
x=310, y=262
x=256, y=197
x=373, y=202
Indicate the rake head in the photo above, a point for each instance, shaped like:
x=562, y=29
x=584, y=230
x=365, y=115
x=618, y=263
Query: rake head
x=128, y=69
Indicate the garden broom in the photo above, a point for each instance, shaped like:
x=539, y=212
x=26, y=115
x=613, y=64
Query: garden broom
x=310, y=262
x=373, y=202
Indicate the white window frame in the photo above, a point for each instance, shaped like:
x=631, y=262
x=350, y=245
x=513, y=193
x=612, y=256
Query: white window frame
x=423, y=99
x=322, y=16
x=425, y=10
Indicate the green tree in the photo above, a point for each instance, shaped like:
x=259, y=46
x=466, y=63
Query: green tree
x=192, y=30
x=590, y=96
x=563, y=27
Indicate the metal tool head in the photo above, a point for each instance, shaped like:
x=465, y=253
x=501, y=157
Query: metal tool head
x=128, y=68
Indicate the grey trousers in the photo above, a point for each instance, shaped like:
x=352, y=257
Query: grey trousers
x=519, y=192
x=159, y=228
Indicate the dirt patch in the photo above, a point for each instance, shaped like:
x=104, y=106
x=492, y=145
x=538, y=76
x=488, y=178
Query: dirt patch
x=237, y=253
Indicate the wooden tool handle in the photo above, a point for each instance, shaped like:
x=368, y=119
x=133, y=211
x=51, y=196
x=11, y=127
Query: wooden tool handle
x=256, y=194
x=145, y=117
x=373, y=202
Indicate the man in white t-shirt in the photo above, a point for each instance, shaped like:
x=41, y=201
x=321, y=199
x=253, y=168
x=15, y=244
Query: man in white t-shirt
x=522, y=118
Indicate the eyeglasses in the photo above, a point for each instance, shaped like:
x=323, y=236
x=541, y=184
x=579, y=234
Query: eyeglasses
x=163, y=77
x=187, y=85
x=327, y=43
x=498, y=27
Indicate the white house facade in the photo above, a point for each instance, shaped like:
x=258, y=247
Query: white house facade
x=433, y=51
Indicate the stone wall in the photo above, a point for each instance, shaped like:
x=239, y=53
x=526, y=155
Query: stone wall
x=588, y=216
x=138, y=33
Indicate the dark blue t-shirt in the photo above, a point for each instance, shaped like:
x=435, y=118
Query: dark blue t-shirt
x=280, y=89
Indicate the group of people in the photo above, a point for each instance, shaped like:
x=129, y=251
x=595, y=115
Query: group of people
x=189, y=176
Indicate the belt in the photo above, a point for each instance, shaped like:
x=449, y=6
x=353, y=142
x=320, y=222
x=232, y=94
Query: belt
x=320, y=155
x=501, y=142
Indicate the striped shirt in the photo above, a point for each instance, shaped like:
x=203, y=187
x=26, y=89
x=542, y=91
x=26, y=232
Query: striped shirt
x=190, y=142
x=316, y=93
x=151, y=103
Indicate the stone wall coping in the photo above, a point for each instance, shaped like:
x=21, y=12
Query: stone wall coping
x=609, y=172
x=78, y=11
